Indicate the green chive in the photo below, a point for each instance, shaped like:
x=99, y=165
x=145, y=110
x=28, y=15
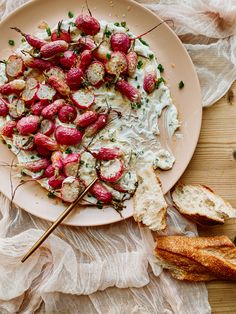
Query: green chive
x=11, y=42
x=99, y=205
x=108, y=55
x=139, y=105
x=138, y=86
x=159, y=81
x=70, y=14
x=112, y=139
x=68, y=151
x=32, y=157
x=136, y=78
x=133, y=105
x=143, y=42
x=107, y=33
x=117, y=24
x=72, y=24
x=23, y=40
x=151, y=56
x=181, y=84
x=160, y=68
x=140, y=64
x=51, y=195
x=81, y=162
x=123, y=24
x=48, y=30
x=9, y=146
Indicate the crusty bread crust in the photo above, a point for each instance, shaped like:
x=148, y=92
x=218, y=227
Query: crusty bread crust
x=210, y=216
x=197, y=258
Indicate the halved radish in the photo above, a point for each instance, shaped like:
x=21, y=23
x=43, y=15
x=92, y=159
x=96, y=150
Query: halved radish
x=29, y=93
x=83, y=98
x=55, y=70
x=71, y=188
x=108, y=153
x=95, y=73
x=117, y=64
x=47, y=127
x=86, y=57
x=71, y=164
x=45, y=93
x=23, y=142
x=59, y=84
x=37, y=165
x=15, y=66
x=13, y=87
x=101, y=193
x=103, y=51
x=17, y=108
x=3, y=107
x=57, y=163
x=111, y=170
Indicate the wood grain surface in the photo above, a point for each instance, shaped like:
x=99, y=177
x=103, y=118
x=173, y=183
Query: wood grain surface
x=214, y=164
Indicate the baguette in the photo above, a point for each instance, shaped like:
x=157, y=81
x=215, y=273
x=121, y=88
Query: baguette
x=201, y=204
x=198, y=258
x=150, y=206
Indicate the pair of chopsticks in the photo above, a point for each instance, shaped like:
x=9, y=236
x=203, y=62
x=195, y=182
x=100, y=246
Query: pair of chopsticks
x=63, y=215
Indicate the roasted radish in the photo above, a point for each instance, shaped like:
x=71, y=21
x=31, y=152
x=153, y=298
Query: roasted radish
x=86, y=57
x=95, y=73
x=127, y=90
x=68, y=136
x=71, y=164
x=86, y=119
x=45, y=141
x=38, y=64
x=28, y=125
x=50, y=171
x=59, y=85
x=61, y=34
x=50, y=111
x=98, y=125
x=55, y=71
x=8, y=129
x=15, y=66
x=17, y=108
x=47, y=127
x=149, y=83
x=37, y=108
x=55, y=182
x=57, y=163
x=29, y=93
x=117, y=64
x=67, y=114
x=103, y=51
x=42, y=151
x=3, y=108
x=132, y=60
x=101, y=193
x=32, y=40
x=45, y=93
x=74, y=78
x=13, y=87
x=37, y=165
x=83, y=99
x=107, y=153
x=87, y=24
x=120, y=42
x=68, y=59
x=53, y=48
x=110, y=171
x=71, y=188
x=86, y=43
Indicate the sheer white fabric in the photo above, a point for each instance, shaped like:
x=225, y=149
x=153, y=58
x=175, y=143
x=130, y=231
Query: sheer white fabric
x=111, y=269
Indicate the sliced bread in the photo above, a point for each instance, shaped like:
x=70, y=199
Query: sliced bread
x=201, y=204
x=149, y=203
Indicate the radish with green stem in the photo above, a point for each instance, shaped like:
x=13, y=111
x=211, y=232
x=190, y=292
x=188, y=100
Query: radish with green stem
x=61, y=34
x=15, y=66
x=83, y=98
x=32, y=40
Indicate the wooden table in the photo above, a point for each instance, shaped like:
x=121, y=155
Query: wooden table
x=214, y=164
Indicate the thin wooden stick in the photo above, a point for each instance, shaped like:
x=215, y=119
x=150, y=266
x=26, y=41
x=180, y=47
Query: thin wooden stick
x=57, y=222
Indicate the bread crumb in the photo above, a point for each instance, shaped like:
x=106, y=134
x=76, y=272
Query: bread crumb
x=43, y=25
x=173, y=65
x=128, y=8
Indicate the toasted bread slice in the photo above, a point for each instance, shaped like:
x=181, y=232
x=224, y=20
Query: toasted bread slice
x=149, y=203
x=197, y=258
x=201, y=204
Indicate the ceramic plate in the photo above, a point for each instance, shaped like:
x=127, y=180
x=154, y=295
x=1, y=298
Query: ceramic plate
x=178, y=66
